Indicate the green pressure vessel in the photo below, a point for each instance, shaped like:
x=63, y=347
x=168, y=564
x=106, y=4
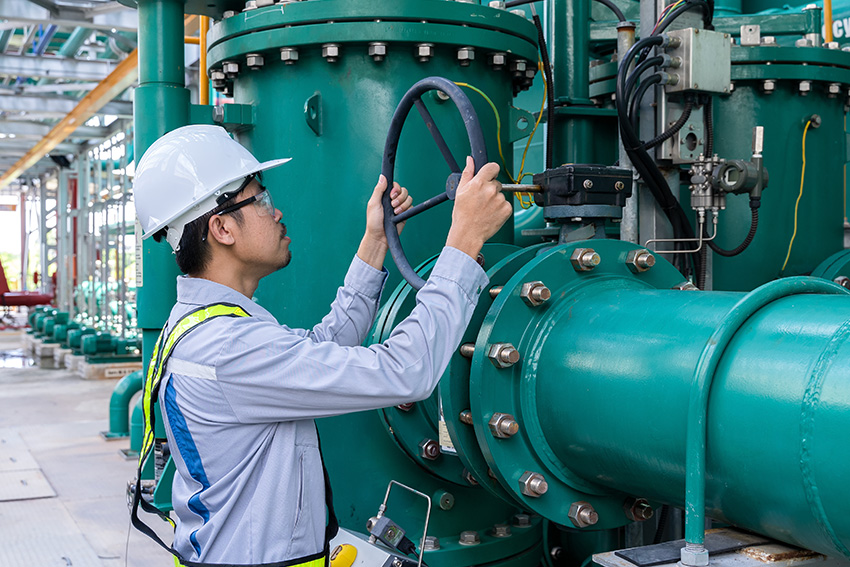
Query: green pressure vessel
x=802, y=210
x=323, y=80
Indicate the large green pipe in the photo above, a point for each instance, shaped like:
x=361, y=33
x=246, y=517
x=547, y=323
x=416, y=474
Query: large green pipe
x=777, y=414
x=161, y=105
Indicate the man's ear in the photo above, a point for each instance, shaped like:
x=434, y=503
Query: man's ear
x=220, y=230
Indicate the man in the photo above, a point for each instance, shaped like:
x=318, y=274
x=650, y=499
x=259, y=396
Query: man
x=239, y=393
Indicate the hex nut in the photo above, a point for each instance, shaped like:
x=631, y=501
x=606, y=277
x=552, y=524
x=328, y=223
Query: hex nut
x=520, y=13
x=497, y=60
x=503, y=425
x=694, y=556
x=640, y=260
x=289, y=55
x=833, y=90
x=503, y=355
x=250, y=5
x=522, y=521
x=843, y=281
x=584, y=259
x=686, y=286
x=518, y=66
x=230, y=68
x=638, y=509
x=228, y=14
x=497, y=4
x=330, y=51
x=805, y=87
x=424, y=51
x=217, y=76
x=254, y=60
x=432, y=543
x=465, y=55
x=802, y=42
x=501, y=530
x=768, y=86
x=467, y=476
x=582, y=514
x=429, y=449
x=533, y=484
x=469, y=537
x=377, y=51
x=535, y=293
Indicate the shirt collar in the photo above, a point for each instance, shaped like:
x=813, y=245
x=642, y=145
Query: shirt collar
x=199, y=292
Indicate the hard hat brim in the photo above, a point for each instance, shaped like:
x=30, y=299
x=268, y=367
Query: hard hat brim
x=266, y=165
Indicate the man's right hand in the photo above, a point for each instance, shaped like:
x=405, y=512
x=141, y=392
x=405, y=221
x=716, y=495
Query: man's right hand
x=480, y=209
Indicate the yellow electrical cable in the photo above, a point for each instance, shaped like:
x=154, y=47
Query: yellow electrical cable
x=797, y=205
x=521, y=175
x=498, y=125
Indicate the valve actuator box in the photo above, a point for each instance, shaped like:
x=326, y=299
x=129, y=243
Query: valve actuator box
x=706, y=61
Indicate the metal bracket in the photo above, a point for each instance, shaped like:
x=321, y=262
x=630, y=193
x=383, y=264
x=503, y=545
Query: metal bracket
x=521, y=123
x=313, y=113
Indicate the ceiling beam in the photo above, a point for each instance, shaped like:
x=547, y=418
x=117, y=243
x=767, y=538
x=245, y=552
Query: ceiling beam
x=54, y=68
x=122, y=77
x=36, y=130
x=53, y=107
x=114, y=16
x=13, y=147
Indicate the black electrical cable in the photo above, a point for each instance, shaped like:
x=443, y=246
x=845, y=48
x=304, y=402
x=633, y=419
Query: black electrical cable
x=550, y=91
x=640, y=70
x=754, y=224
x=642, y=162
x=639, y=94
x=690, y=4
x=686, y=113
x=709, y=128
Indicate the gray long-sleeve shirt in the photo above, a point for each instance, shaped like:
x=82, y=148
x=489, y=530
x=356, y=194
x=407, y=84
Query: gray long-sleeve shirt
x=239, y=396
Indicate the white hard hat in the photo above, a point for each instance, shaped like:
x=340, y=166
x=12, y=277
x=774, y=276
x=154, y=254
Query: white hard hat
x=183, y=172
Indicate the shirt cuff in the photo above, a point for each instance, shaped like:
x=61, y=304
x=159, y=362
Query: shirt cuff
x=365, y=279
x=458, y=267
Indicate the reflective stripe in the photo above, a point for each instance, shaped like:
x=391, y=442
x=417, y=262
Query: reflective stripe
x=191, y=369
x=159, y=360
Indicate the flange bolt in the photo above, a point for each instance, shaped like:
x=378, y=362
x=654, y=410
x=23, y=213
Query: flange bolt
x=503, y=355
x=503, y=425
x=533, y=484
x=469, y=537
x=638, y=509
x=424, y=51
x=289, y=55
x=467, y=350
x=582, y=514
x=501, y=530
x=522, y=521
x=843, y=281
x=640, y=260
x=377, y=51
x=429, y=449
x=330, y=51
x=535, y=293
x=585, y=259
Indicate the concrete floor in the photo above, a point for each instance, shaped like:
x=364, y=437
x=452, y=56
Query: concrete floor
x=51, y=420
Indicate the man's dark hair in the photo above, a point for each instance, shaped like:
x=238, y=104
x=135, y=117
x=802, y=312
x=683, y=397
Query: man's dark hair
x=193, y=254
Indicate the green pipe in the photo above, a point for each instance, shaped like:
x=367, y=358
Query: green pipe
x=74, y=42
x=616, y=424
x=5, y=36
x=697, y=429
x=137, y=428
x=119, y=403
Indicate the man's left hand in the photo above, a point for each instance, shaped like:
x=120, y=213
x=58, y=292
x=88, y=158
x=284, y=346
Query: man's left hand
x=401, y=201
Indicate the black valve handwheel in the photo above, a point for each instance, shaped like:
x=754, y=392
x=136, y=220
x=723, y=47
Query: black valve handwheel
x=412, y=98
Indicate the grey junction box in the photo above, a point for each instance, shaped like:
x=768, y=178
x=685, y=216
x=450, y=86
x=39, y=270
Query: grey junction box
x=706, y=61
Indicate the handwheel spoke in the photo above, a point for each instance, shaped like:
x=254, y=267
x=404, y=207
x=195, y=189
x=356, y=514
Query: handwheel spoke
x=424, y=206
x=438, y=137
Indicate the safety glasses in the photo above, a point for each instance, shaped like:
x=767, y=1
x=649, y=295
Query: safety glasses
x=263, y=199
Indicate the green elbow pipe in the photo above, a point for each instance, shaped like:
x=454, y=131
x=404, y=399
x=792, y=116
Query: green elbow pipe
x=119, y=403
x=697, y=429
